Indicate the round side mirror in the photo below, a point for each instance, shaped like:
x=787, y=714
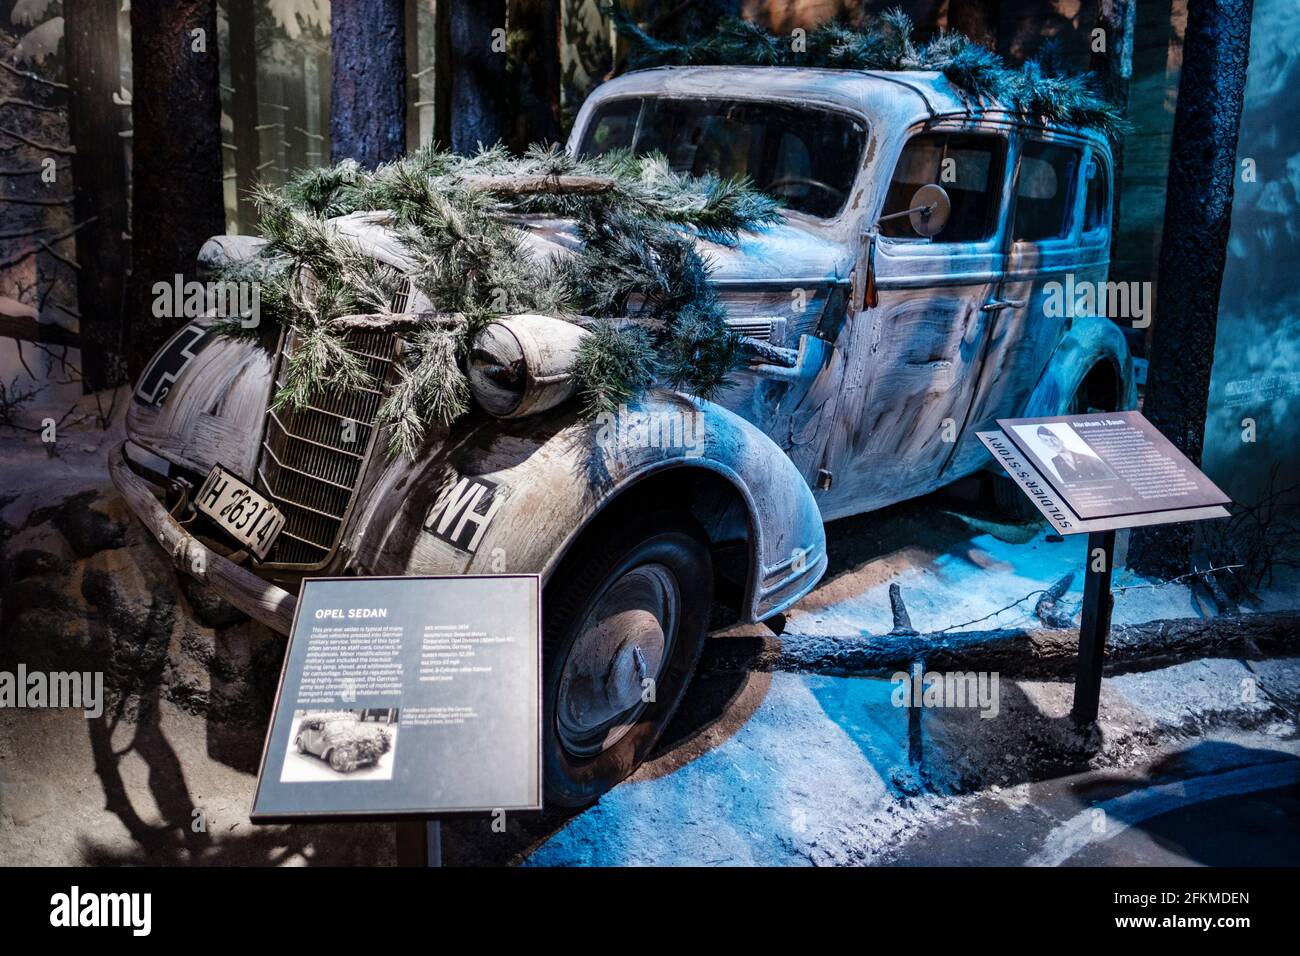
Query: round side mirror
x=930, y=210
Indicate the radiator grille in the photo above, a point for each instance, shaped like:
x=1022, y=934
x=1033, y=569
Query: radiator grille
x=760, y=329
x=312, y=458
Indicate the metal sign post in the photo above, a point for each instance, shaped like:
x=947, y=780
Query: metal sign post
x=1095, y=474
x=1094, y=627
x=419, y=843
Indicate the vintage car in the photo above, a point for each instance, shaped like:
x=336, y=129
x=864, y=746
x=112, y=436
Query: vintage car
x=345, y=743
x=901, y=303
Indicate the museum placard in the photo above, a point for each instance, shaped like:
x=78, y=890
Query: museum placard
x=1111, y=464
x=407, y=697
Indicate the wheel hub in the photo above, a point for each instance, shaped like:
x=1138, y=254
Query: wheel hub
x=616, y=659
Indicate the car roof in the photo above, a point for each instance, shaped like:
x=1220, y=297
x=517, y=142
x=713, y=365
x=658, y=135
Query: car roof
x=894, y=97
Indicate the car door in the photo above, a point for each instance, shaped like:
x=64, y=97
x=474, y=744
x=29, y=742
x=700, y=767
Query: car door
x=912, y=359
x=1052, y=238
x=311, y=737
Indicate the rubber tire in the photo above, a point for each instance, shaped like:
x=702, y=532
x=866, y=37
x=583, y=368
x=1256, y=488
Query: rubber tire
x=615, y=547
x=345, y=765
x=1011, y=502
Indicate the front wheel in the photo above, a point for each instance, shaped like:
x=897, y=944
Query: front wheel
x=342, y=760
x=626, y=618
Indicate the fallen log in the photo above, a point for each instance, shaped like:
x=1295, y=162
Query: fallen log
x=539, y=184
x=30, y=330
x=1014, y=653
x=397, y=321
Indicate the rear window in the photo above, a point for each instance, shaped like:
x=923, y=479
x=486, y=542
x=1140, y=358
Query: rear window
x=808, y=158
x=1045, y=191
x=968, y=167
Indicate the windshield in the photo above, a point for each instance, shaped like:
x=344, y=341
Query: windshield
x=805, y=157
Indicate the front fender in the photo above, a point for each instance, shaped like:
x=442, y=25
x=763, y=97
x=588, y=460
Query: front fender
x=514, y=495
x=200, y=400
x=1090, y=340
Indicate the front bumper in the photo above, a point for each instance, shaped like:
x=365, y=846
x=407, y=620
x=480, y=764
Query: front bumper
x=259, y=599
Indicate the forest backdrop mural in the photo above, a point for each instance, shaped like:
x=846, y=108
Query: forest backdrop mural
x=75, y=140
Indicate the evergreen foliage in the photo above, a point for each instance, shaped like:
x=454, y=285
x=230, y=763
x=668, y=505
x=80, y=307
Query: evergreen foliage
x=1039, y=90
x=638, y=260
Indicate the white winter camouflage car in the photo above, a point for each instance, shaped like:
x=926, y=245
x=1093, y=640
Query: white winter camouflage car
x=901, y=307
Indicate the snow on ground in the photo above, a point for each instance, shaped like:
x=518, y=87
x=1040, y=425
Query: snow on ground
x=819, y=772
x=964, y=571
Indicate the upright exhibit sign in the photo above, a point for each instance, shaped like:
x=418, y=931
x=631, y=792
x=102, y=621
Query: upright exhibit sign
x=1096, y=473
x=407, y=698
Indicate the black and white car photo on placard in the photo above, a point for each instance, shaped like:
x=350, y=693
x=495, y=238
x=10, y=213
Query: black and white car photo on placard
x=341, y=745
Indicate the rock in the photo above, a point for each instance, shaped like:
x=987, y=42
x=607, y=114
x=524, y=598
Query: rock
x=35, y=562
x=87, y=530
x=50, y=639
x=33, y=593
x=209, y=608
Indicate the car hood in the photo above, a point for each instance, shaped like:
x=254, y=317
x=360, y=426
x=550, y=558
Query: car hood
x=783, y=252
x=212, y=405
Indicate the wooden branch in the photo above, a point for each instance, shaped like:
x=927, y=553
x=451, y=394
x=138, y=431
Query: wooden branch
x=45, y=147
x=32, y=76
x=27, y=104
x=397, y=321
x=18, y=201
x=1017, y=652
x=30, y=330
x=765, y=353
x=44, y=245
x=755, y=350
x=32, y=170
x=529, y=185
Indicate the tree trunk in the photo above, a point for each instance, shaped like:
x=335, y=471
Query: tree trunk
x=538, y=119
x=412, y=33
x=295, y=117
x=1113, y=66
x=442, y=73
x=478, y=82
x=99, y=187
x=367, y=81
x=243, y=107
x=324, y=81
x=177, y=186
x=1198, y=212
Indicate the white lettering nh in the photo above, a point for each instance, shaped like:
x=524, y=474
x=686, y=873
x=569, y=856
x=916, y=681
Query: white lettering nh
x=460, y=501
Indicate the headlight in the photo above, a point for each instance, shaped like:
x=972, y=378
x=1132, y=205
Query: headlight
x=522, y=365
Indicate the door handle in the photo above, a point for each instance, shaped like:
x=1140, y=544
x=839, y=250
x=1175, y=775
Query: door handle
x=997, y=305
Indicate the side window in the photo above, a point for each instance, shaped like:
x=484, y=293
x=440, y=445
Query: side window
x=1096, y=204
x=968, y=166
x=1045, y=191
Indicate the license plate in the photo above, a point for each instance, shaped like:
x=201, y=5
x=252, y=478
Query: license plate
x=241, y=512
